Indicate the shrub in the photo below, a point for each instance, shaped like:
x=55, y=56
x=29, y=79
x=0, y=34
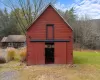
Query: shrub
x=14, y=54
x=17, y=56
x=22, y=54
x=10, y=54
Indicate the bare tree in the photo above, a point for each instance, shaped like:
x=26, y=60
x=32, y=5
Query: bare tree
x=86, y=33
x=29, y=10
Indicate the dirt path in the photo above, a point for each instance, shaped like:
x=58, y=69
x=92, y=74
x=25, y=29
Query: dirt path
x=10, y=71
x=9, y=75
x=14, y=71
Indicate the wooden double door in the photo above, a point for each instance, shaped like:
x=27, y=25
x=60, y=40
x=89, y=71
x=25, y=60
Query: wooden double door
x=45, y=54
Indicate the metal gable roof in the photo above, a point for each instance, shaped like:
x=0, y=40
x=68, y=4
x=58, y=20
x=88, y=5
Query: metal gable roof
x=4, y=39
x=55, y=10
x=14, y=38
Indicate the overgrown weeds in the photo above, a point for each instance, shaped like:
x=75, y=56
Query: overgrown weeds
x=14, y=54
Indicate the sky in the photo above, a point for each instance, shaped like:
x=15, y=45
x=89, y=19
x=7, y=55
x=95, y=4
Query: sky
x=82, y=7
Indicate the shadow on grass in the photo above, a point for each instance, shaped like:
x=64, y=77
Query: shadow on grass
x=78, y=60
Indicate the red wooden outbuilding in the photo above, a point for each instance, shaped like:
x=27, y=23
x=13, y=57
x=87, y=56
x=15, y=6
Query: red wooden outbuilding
x=49, y=39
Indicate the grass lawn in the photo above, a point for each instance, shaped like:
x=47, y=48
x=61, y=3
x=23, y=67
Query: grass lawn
x=86, y=67
x=86, y=57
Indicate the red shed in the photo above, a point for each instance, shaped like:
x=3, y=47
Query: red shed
x=49, y=39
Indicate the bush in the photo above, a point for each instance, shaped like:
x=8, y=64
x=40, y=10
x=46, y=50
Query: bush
x=22, y=54
x=10, y=54
x=13, y=54
x=17, y=56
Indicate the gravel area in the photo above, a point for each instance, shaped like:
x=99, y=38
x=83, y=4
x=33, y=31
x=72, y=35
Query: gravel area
x=10, y=70
x=9, y=75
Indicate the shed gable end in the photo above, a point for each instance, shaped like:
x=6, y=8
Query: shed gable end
x=56, y=13
x=49, y=17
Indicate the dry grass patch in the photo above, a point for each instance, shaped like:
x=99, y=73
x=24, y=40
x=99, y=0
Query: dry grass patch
x=61, y=72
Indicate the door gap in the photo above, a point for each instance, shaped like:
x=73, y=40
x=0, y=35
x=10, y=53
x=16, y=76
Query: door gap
x=49, y=53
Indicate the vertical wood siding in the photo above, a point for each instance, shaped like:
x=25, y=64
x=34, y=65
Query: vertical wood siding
x=50, y=32
x=60, y=53
x=36, y=52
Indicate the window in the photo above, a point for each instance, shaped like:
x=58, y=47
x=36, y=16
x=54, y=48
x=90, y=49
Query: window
x=22, y=44
x=10, y=44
